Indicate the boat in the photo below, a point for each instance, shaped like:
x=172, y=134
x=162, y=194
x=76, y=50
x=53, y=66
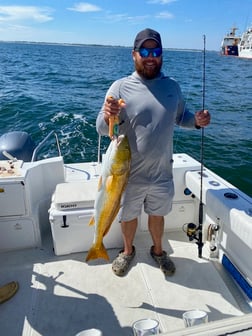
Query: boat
x=245, y=45
x=45, y=207
x=230, y=42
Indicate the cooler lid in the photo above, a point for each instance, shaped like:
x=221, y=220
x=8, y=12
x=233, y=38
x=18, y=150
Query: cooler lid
x=75, y=195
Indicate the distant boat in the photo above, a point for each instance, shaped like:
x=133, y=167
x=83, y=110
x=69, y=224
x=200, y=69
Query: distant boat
x=230, y=42
x=245, y=45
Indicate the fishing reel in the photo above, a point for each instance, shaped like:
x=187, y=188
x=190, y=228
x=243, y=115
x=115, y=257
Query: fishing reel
x=194, y=232
x=191, y=231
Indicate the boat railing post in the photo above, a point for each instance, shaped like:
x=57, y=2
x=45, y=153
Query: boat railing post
x=41, y=144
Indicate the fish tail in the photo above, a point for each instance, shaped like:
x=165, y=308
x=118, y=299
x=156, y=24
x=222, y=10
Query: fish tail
x=96, y=253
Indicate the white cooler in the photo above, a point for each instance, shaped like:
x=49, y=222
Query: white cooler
x=69, y=215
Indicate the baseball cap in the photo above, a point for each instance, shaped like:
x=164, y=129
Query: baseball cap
x=147, y=34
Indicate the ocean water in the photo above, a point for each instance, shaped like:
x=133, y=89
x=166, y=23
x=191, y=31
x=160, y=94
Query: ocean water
x=61, y=88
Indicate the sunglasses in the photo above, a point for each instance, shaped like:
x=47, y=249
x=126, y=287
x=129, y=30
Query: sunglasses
x=145, y=52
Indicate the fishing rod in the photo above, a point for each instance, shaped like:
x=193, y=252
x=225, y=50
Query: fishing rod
x=193, y=231
x=200, y=240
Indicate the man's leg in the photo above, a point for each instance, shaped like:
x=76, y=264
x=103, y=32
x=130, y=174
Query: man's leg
x=128, y=232
x=156, y=228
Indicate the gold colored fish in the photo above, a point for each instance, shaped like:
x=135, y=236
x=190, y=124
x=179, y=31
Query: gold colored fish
x=113, y=179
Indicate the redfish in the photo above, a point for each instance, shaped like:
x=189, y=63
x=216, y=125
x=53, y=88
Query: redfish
x=114, y=176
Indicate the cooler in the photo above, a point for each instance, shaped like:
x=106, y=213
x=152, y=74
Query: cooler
x=69, y=215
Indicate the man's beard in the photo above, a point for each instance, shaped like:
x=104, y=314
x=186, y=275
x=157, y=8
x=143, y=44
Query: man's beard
x=148, y=73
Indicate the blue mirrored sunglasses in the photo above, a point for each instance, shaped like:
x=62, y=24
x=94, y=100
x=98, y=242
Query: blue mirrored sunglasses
x=145, y=52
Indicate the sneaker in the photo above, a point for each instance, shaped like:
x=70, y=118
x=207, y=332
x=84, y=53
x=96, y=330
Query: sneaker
x=165, y=263
x=122, y=262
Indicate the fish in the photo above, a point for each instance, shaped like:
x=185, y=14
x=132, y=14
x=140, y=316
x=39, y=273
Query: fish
x=112, y=182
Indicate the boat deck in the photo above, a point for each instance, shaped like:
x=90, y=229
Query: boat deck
x=62, y=295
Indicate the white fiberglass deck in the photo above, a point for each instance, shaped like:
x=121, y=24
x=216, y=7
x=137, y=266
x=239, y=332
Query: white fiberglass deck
x=63, y=295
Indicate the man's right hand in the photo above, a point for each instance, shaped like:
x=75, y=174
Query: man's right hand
x=112, y=107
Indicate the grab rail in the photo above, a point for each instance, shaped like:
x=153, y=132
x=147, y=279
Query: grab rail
x=41, y=144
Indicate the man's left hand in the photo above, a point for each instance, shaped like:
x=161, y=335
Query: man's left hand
x=202, y=118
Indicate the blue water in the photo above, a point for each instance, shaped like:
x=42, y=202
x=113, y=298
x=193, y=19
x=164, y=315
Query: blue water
x=61, y=88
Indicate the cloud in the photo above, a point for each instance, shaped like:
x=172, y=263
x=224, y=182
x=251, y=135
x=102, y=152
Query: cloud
x=110, y=17
x=161, y=2
x=23, y=13
x=164, y=15
x=84, y=7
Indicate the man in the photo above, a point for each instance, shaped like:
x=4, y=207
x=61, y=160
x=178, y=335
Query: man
x=153, y=103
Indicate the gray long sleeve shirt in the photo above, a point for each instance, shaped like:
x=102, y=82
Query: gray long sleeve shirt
x=153, y=106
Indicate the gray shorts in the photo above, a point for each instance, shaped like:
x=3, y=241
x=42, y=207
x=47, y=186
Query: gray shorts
x=155, y=199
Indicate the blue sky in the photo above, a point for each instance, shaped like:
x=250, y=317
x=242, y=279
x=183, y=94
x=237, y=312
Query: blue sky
x=181, y=23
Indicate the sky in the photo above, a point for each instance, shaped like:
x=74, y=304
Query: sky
x=181, y=23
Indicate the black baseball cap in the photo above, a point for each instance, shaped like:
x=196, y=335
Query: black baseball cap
x=147, y=34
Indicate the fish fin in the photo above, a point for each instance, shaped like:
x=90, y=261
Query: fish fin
x=99, y=183
x=95, y=253
x=92, y=221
